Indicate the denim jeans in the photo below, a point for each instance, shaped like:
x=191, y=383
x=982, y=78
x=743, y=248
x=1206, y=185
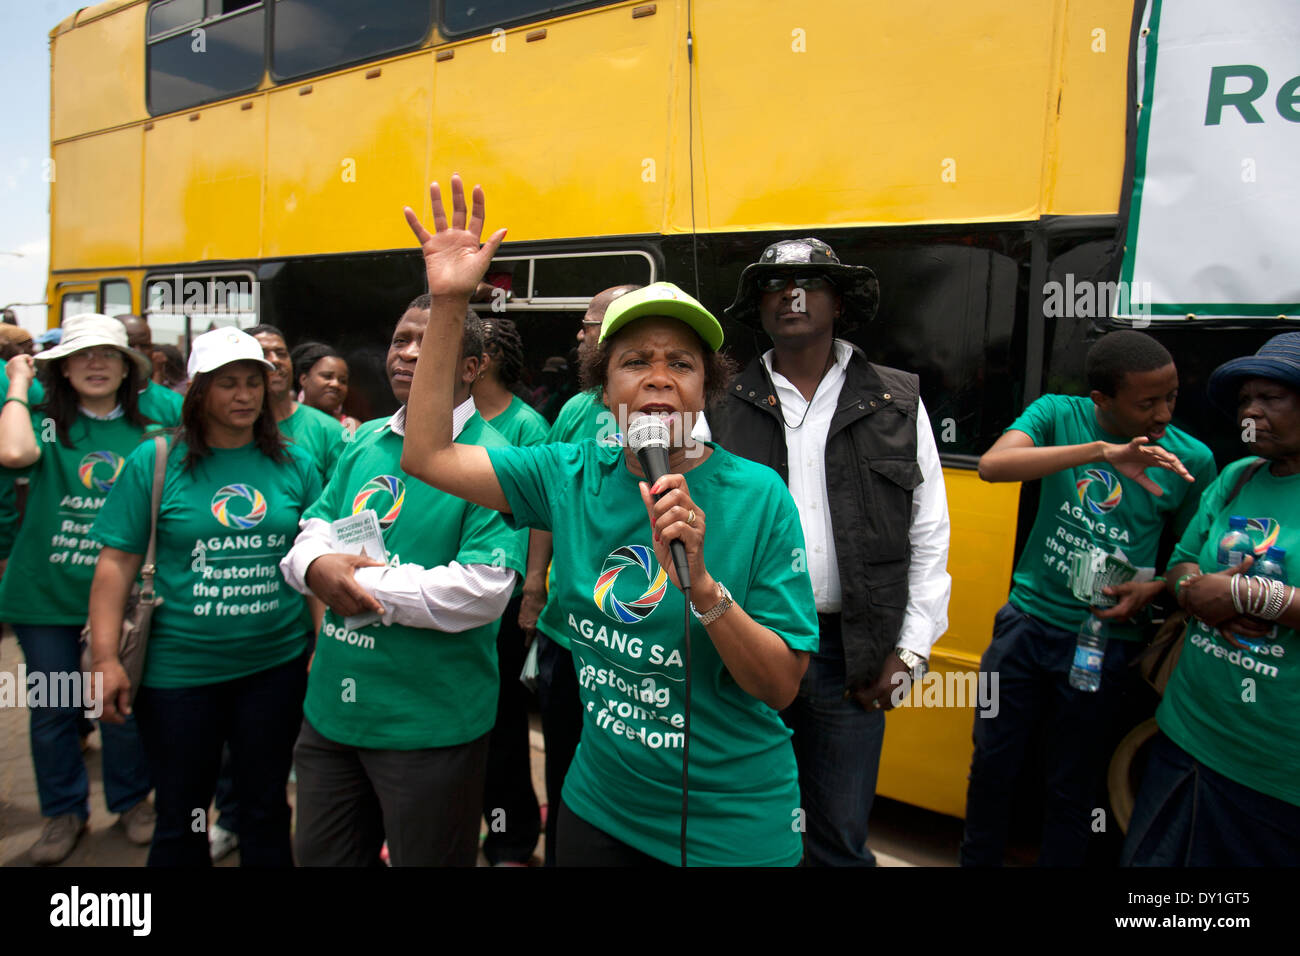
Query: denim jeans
x=1188, y=815
x=837, y=746
x=1032, y=660
x=61, y=779
x=183, y=729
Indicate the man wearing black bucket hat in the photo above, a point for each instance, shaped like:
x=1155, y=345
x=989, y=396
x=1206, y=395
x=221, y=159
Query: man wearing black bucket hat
x=853, y=442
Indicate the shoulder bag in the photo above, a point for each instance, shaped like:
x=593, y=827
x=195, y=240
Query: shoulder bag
x=140, y=603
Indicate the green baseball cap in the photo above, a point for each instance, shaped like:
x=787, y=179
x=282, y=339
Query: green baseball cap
x=662, y=298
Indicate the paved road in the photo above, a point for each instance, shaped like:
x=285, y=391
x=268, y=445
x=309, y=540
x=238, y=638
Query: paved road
x=901, y=835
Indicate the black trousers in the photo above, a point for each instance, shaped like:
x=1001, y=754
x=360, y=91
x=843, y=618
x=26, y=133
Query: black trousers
x=581, y=844
x=509, y=801
x=183, y=730
x=557, y=692
x=426, y=803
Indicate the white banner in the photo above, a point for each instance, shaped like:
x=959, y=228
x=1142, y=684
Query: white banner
x=1213, y=226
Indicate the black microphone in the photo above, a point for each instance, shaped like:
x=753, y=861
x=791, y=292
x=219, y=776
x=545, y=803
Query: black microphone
x=647, y=435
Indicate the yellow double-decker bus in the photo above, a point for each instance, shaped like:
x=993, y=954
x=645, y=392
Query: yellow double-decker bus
x=255, y=155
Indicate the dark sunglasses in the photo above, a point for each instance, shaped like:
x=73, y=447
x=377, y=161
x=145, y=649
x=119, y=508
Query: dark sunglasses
x=778, y=283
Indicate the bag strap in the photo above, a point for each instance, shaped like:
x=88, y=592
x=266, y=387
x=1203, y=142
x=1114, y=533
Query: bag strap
x=1247, y=473
x=148, y=569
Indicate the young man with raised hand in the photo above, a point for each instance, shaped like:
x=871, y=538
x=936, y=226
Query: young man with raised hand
x=395, y=727
x=1116, y=474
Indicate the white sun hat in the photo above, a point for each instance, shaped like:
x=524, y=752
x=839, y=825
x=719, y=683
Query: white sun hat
x=89, y=330
x=211, y=350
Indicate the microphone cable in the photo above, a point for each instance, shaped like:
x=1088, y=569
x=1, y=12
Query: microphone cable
x=686, y=746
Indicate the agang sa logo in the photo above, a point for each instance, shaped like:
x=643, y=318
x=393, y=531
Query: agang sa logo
x=239, y=506
x=631, y=584
x=100, y=469
x=1099, y=491
x=384, y=496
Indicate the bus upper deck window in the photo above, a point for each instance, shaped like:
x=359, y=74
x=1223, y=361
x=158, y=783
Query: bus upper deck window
x=461, y=17
x=230, y=34
x=309, y=36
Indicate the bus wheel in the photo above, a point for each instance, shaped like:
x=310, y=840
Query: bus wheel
x=1125, y=774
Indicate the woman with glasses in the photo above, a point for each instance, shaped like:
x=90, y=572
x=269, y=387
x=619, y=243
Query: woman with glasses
x=72, y=446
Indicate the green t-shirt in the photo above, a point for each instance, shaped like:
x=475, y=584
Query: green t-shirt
x=1095, y=505
x=396, y=687
x=319, y=435
x=160, y=404
x=520, y=424
x=223, y=527
x=583, y=416
x=53, y=558
x=1235, y=710
x=9, y=516
x=624, y=622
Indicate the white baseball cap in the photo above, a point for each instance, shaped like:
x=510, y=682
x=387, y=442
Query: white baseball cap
x=211, y=350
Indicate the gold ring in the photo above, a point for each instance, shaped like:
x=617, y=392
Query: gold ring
x=690, y=518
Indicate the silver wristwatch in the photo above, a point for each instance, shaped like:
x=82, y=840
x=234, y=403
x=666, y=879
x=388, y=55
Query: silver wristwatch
x=917, y=665
x=715, y=612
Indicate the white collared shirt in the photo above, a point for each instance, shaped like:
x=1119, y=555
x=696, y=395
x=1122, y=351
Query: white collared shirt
x=928, y=584
x=451, y=598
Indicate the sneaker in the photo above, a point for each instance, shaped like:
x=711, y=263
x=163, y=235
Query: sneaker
x=221, y=842
x=58, y=839
x=138, y=823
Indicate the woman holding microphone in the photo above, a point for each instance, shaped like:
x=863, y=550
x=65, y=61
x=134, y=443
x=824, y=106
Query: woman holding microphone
x=227, y=655
x=754, y=622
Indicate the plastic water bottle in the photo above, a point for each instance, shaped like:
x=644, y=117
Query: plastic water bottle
x=1235, y=546
x=1089, y=653
x=1272, y=565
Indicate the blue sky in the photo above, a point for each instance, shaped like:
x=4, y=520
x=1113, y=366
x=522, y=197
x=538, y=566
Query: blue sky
x=25, y=120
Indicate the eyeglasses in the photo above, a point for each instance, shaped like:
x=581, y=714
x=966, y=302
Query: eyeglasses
x=101, y=352
x=778, y=283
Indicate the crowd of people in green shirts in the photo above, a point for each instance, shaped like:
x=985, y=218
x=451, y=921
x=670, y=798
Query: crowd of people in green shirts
x=496, y=545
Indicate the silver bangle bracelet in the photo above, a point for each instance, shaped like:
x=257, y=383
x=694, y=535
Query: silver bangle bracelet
x=1235, y=582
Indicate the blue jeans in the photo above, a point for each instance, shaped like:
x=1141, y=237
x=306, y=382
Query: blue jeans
x=1188, y=815
x=61, y=779
x=183, y=729
x=1032, y=660
x=837, y=745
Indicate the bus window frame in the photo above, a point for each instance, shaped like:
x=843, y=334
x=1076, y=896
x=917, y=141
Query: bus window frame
x=450, y=36
x=283, y=78
x=75, y=287
x=224, y=275
x=530, y=303
x=149, y=41
x=102, y=302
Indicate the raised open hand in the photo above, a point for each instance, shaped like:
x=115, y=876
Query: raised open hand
x=1137, y=456
x=454, y=260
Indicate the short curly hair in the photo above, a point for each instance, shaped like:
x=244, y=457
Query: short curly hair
x=719, y=368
